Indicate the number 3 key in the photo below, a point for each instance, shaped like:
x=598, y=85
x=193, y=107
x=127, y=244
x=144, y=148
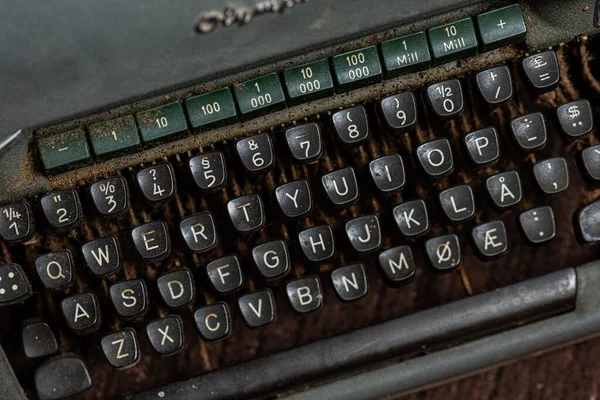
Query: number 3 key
x=111, y=196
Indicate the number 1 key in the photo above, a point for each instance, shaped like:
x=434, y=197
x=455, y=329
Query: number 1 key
x=16, y=223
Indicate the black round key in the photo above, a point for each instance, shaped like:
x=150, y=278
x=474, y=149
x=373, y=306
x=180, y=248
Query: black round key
x=482, y=146
x=152, y=241
x=443, y=252
x=111, y=196
x=400, y=111
x=538, y=225
x=387, y=173
x=490, y=240
x=458, y=203
x=446, y=98
x=82, y=312
x=272, y=259
x=317, y=243
x=575, y=118
x=495, y=84
x=351, y=125
x=199, y=232
x=209, y=170
x=14, y=285
x=258, y=308
x=56, y=269
x=225, y=273
x=38, y=339
x=397, y=265
x=62, y=209
x=542, y=71
x=102, y=255
x=350, y=281
x=256, y=152
x=16, y=223
x=304, y=142
x=157, y=183
x=305, y=294
x=121, y=348
x=62, y=377
x=590, y=162
x=588, y=223
x=177, y=287
x=341, y=186
x=247, y=213
x=166, y=335
x=294, y=199
x=364, y=233
x=130, y=298
x=436, y=158
x=412, y=218
x=213, y=321
x=529, y=132
x=504, y=189
x=552, y=175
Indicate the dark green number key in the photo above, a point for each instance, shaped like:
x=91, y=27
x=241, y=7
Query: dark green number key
x=63, y=151
x=501, y=27
x=115, y=136
x=259, y=96
x=308, y=81
x=452, y=41
x=211, y=109
x=405, y=54
x=357, y=68
x=161, y=122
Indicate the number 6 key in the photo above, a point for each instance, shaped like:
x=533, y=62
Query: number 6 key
x=256, y=153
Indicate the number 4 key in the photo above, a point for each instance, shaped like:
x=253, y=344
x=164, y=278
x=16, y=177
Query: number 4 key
x=157, y=183
x=16, y=223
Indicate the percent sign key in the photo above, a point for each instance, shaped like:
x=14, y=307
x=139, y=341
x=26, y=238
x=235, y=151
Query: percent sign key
x=111, y=196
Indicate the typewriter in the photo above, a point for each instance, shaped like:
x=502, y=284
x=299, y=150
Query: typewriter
x=293, y=199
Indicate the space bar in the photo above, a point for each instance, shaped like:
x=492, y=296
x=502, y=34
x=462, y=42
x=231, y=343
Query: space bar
x=451, y=323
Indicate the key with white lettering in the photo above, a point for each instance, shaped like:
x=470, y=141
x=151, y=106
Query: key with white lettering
x=443, y=252
x=256, y=153
x=542, y=71
x=397, y=265
x=14, y=285
x=387, y=173
x=538, y=225
x=411, y=218
x=446, y=98
x=82, y=312
x=166, y=335
x=590, y=163
x=209, y=170
x=157, y=183
x=436, y=158
x=111, y=196
x=576, y=118
x=294, y=199
x=102, y=256
x=317, y=243
x=350, y=281
x=199, y=232
x=504, y=189
x=529, y=132
x=482, y=146
x=490, y=240
x=247, y=213
x=56, y=269
x=272, y=259
x=351, y=126
x=130, y=298
x=62, y=209
x=305, y=294
x=177, y=287
x=458, y=203
x=552, y=175
x=341, y=186
x=16, y=223
x=213, y=321
x=258, y=308
x=364, y=233
x=304, y=142
x=152, y=241
x=225, y=274
x=495, y=84
x=121, y=348
x=400, y=111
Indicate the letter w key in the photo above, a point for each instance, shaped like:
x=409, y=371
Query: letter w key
x=102, y=255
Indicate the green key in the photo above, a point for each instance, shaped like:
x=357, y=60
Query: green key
x=63, y=151
x=357, y=68
x=259, y=96
x=501, y=27
x=405, y=54
x=308, y=81
x=115, y=136
x=211, y=109
x=452, y=41
x=161, y=122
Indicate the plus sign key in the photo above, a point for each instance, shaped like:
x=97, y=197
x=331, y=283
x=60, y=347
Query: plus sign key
x=495, y=84
x=538, y=225
x=501, y=27
x=575, y=118
x=542, y=71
